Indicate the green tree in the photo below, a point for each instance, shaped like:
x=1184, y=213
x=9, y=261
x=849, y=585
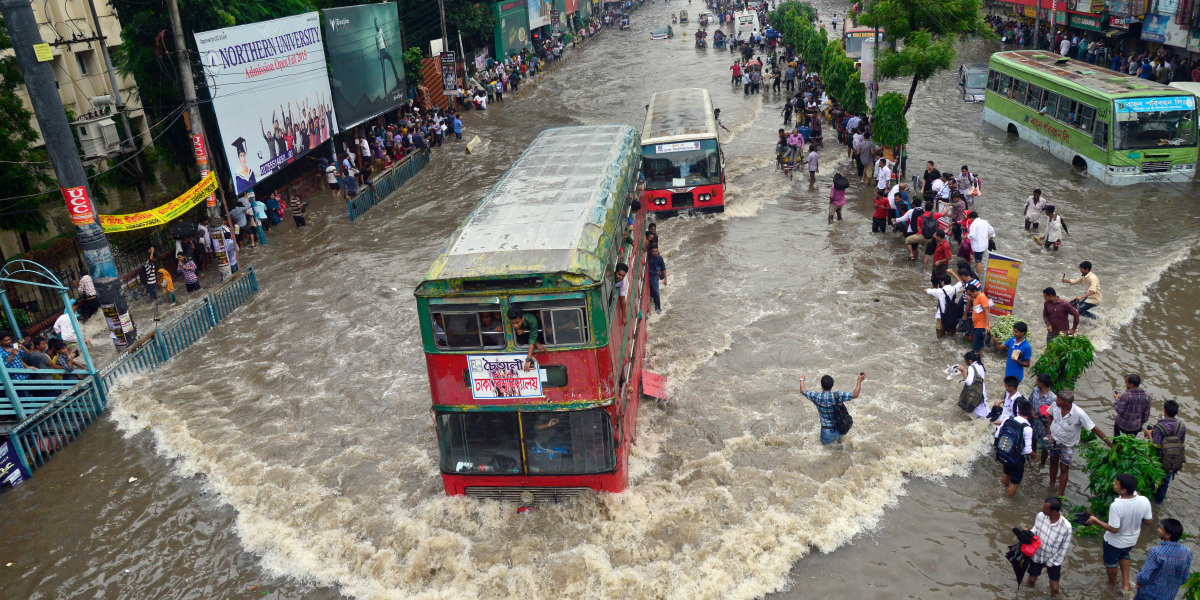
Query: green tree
x=927, y=32
x=412, y=65
x=23, y=169
x=891, y=127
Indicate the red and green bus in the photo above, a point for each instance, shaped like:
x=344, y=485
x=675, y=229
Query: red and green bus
x=544, y=243
x=682, y=164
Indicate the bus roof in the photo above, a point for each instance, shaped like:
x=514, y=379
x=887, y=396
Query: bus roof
x=1095, y=80
x=683, y=114
x=555, y=211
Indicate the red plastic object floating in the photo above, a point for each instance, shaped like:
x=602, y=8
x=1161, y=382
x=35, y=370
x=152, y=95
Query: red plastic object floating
x=654, y=385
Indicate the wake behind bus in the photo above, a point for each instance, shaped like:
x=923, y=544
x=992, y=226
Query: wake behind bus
x=535, y=263
x=1121, y=129
x=681, y=155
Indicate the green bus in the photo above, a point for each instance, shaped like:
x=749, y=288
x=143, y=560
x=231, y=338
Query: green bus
x=1120, y=128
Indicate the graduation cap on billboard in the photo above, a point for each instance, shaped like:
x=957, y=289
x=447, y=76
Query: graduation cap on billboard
x=240, y=144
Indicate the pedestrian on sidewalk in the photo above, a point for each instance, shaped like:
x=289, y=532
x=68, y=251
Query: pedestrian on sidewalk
x=1168, y=436
x=1168, y=565
x=1126, y=516
x=1055, y=534
x=1132, y=407
x=827, y=402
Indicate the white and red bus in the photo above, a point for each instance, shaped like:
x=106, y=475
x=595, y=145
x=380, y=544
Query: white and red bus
x=681, y=155
x=543, y=245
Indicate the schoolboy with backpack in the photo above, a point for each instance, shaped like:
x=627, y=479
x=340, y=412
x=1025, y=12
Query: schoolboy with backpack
x=1168, y=436
x=1014, y=446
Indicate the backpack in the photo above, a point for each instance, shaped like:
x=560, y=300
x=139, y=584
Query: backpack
x=1171, y=452
x=951, y=314
x=842, y=421
x=840, y=182
x=1010, y=442
x=928, y=226
x=971, y=395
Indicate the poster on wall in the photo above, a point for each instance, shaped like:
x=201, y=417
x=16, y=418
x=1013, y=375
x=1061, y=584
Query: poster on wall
x=270, y=91
x=1154, y=29
x=539, y=13
x=512, y=28
x=449, y=67
x=366, y=61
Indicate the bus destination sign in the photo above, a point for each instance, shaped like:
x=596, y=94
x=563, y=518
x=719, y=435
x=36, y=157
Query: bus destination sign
x=503, y=376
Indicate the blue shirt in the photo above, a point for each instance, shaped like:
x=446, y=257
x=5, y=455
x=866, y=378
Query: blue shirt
x=1013, y=367
x=15, y=360
x=655, y=265
x=457, y=125
x=826, y=401
x=1166, y=568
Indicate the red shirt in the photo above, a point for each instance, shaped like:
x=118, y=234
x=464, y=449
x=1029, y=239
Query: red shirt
x=737, y=70
x=881, y=207
x=942, y=252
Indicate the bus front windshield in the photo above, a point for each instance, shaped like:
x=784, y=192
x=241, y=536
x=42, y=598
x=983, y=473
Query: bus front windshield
x=681, y=164
x=577, y=442
x=854, y=46
x=1161, y=129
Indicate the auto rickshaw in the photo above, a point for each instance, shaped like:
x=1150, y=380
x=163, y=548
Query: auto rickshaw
x=683, y=16
x=704, y=19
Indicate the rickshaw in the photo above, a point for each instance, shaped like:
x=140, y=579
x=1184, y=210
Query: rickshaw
x=701, y=38
x=718, y=40
x=683, y=16
x=704, y=19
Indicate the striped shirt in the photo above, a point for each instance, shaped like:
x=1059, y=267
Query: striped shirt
x=1056, y=540
x=1166, y=568
x=87, y=289
x=1133, y=409
x=298, y=207
x=826, y=402
x=150, y=273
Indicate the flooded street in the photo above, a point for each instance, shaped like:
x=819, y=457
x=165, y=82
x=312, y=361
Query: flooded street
x=291, y=451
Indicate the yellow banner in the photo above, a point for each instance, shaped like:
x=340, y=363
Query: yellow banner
x=163, y=214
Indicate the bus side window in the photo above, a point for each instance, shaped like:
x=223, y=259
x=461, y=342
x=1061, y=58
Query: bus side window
x=560, y=323
x=1087, y=115
x=1051, y=104
x=1065, y=108
x=993, y=80
x=1034, y=98
x=468, y=329
x=1100, y=137
x=1022, y=91
x=1005, y=84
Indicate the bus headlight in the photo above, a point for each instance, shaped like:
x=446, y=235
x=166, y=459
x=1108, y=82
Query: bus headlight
x=660, y=201
x=1191, y=167
x=705, y=197
x=526, y=497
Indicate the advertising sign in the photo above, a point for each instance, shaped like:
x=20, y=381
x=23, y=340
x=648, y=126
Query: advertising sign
x=163, y=214
x=1086, y=22
x=11, y=472
x=1137, y=105
x=866, y=73
x=481, y=60
x=512, y=28
x=365, y=61
x=539, y=13
x=270, y=77
x=503, y=376
x=1154, y=29
x=1000, y=283
x=79, y=206
x=449, y=74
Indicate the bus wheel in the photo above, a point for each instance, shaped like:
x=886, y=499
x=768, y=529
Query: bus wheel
x=1079, y=163
x=1013, y=130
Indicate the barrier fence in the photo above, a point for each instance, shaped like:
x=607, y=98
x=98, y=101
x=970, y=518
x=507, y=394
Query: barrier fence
x=59, y=421
x=387, y=183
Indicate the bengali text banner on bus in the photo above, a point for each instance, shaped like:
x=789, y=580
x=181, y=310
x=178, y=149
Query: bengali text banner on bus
x=503, y=376
x=163, y=214
x=1000, y=283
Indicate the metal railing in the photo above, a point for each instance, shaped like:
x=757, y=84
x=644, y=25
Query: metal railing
x=51, y=428
x=387, y=183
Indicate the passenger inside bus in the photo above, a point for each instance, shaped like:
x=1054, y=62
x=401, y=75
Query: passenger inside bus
x=439, y=330
x=492, y=329
x=524, y=324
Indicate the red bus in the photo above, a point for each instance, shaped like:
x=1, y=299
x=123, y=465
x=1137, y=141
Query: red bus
x=543, y=245
x=681, y=155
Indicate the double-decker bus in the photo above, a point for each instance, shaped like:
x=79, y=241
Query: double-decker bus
x=681, y=157
x=543, y=245
x=1121, y=129
x=852, y=42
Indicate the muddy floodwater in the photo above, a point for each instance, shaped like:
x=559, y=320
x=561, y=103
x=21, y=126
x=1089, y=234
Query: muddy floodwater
x=291, y=453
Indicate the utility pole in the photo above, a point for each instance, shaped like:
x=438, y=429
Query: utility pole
x=116, y=90
x=1053, y=24
x=199, y=143
x=68, y=168
x=463, y=54
x=442, y=13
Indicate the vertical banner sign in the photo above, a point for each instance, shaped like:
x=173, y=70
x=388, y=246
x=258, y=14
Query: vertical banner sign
x=366, y=61
x=79, y=206
x=270, y=91
x=449, y=74
x=481, y=60
x=1000, y=283
x=503, y=376
x=119, y=324
x=202, y=162
x=866, y=73
x=11, y=472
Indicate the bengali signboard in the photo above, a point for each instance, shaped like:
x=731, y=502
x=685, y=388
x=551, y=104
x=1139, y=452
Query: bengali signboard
x=270, y=91
x=11, y=472
x=1093, y=23
x=1155, y=104
x=366, y=62
x=79, y=206
x=481, y=59
x=503, y=376
x=512, y=28
x=449, y=74
x=164, y=214
x=539, y=13
x=1000, y=283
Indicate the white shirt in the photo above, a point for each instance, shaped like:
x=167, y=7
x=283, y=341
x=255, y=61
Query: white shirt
x=1064, y=47
x=1127, y=515
x=62, y=326
x=936, y=185
x=982, y=410
x=892, y=196
x=1054, y=230
x=943, y=294
x=1027, y=432
x=883, y=176
x=1065, y=429
x=1033, y=208
x=1010, y=410
x=205, y=235
x=981, y=231
x=331, y=174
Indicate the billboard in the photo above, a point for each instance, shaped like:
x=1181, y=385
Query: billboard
x=512, y=28
x=1000, y=283
x=366, y=63
x=270, y=91
x=539, y=13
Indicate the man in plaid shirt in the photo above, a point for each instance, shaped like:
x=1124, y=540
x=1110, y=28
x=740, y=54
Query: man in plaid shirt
x=1055, y=533
x=827, y=401
x=1133, y=407
x=1167, y=565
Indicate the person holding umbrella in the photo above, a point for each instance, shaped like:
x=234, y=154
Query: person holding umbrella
x=1055, y=534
